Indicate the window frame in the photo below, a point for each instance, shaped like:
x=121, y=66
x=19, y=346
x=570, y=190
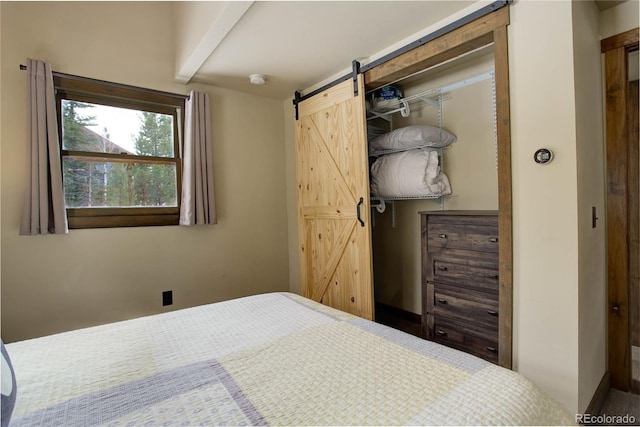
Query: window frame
x=81, y=89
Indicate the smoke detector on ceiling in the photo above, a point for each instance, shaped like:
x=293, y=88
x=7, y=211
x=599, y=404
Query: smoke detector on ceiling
x=257, y=79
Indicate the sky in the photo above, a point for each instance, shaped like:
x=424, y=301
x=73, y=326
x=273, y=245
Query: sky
x=122, y=124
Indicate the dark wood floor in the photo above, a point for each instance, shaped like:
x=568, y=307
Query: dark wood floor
x=622, y=404
x=399, y=319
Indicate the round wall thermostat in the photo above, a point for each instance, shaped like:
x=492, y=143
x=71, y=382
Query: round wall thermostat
x=543, y=156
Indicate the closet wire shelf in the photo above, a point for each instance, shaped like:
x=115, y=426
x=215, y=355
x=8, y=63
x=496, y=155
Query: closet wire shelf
x=404, y=105
x=380, y=204
x=379, y=153
x=432, y=98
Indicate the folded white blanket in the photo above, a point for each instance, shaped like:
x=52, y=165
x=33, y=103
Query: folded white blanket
x=413, y=173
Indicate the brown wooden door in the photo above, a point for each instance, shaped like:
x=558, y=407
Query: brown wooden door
x=634, y=225
x=622, y=195
x=336, y=264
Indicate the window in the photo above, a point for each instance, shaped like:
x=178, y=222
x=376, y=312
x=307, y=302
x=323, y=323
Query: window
x=120, y=153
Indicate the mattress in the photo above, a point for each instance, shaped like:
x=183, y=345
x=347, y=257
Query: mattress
x=270, y=359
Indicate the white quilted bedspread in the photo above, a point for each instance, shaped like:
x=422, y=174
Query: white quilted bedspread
x=272, y=359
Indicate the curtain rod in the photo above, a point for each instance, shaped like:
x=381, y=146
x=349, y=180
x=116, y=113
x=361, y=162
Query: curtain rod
x=118, y=85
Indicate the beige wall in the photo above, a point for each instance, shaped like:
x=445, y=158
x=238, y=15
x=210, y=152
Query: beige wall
x=57, y=283
x=619, y=19
x=545, y=216
x=292, y=216
x=592, y=289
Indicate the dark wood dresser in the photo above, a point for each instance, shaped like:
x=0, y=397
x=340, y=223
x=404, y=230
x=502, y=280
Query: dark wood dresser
x=460, y=280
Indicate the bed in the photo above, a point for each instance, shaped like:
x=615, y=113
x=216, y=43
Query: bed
x=269, y=359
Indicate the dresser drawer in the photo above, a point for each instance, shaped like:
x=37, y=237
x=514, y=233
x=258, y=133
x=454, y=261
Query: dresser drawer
x=461, y=337
x=463, y=232
x=468, y=273
x=463, y=304
x=461, y=280
x=446, y=272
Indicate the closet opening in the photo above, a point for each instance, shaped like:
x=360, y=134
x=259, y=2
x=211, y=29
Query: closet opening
x=457, y=97
x=479, y=176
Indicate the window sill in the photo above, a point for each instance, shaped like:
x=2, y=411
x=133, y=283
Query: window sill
x=121, y=217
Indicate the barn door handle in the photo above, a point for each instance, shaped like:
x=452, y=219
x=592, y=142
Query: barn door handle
x=358, y=211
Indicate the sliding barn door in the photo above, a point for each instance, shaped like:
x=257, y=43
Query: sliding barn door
x=333, y=200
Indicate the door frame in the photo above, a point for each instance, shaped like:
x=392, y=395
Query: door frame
x=616, y=50
x=486, y=30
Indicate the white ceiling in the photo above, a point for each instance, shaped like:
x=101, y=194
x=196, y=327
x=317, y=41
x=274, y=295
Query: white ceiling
x=608, y=4
x=296, y=44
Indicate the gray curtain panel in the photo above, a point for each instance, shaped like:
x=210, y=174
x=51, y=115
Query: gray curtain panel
x=198, y=202
x=44, y=208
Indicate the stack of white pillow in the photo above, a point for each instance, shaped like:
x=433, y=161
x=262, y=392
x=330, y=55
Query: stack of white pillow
x=407, y=164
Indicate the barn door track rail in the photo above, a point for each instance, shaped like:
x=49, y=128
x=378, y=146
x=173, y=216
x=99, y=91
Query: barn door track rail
x=298, y=97
x=357, y=68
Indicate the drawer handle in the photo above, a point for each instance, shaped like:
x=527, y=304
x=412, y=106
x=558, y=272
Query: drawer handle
x=493, y=240
x=493, y=276
x=442, y=268
x=441, y=300
x=492, y=349
x=492, y=312
x=441, y=333
x=442, y=236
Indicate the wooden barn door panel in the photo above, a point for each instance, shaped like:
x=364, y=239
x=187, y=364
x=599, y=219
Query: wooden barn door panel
x=333, y=200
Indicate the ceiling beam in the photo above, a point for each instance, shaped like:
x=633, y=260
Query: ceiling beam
x=228, y=18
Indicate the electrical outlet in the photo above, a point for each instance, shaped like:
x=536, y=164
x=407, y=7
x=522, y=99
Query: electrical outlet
x=167, y=298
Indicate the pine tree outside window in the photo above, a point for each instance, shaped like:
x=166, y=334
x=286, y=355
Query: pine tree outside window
x=120, y=153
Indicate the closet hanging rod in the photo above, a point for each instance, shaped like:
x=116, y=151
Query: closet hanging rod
x=435, y=66
x=451, y=87
x=466, y=82
x=440, y=32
